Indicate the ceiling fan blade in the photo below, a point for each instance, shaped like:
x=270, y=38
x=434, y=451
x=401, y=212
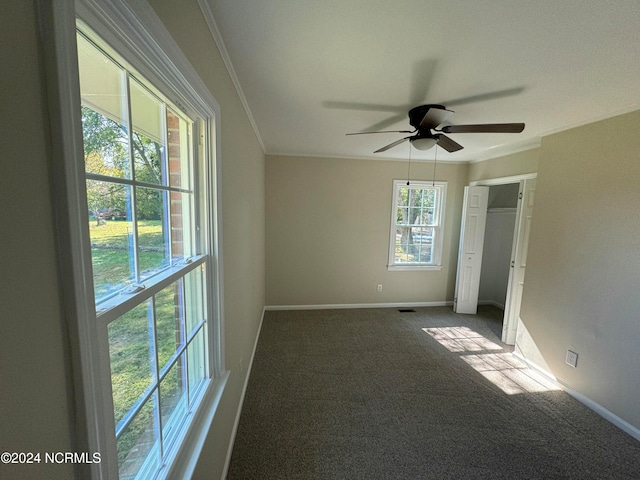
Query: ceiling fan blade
x=382, y=131
x=484, y=128
x=387, y=122
x=434, y=117
x=448, y=144
x=483, y=97
x=391, y=145
x=422, y=73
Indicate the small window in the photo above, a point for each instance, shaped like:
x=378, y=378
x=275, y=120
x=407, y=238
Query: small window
x=416, y=225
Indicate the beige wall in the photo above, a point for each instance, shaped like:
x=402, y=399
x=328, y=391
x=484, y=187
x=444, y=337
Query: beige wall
x=243, y=218
x=328, y=226
x=583, y=269
x=506, y=166
x=35, y=408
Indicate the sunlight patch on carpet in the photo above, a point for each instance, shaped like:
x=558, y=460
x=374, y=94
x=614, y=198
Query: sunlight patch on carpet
x=509, y=373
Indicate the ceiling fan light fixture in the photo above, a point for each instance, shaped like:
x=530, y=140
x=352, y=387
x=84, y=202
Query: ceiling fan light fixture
x=424, y=143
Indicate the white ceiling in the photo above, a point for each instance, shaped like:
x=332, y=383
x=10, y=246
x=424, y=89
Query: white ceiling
x=313, y=70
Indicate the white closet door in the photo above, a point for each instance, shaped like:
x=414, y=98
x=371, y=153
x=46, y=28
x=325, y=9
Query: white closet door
x=518, y=260
x=474, y=219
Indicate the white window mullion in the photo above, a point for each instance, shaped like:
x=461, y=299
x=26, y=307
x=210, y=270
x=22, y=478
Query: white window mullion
x=155, y=369
x=121, y=303
x=195, y=134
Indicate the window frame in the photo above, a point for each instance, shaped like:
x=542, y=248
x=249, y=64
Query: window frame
x=439, y=214
x=133, y=30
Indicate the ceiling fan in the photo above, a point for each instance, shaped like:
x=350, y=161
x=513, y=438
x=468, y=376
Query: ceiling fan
x=426, y=118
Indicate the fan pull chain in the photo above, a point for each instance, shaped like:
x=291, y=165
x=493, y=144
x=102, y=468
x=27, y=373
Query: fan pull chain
x=435, y=161
x=409, y=171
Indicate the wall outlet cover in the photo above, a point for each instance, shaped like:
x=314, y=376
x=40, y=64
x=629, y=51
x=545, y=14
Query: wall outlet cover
x=571, y=359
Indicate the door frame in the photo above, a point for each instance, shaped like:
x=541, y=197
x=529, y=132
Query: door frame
x=510, y=324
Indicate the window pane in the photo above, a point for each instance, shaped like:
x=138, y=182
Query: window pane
x=428, y=196
x=422, y=253
x=173, y=399
x=421, y=235
x=139, y=443
x=179, y=153
x=148, y=135
x=169, y=321
x=415, y=206
x=194, y=298
x=401, y=246
x=414, y=216
x=414, y=244
x=197, y=363
x=428, y=216
x=403, y=196
x=105, y=145
x=182, y=242
x=403, y=216
x=104, y=112
x=153, y=253
x=111, y=233
x=131, y=358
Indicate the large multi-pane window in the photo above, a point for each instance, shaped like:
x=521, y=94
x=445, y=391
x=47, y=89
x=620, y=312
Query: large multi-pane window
x=416, y=224
x=146, y=213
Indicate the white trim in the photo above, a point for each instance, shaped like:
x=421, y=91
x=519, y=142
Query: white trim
x=503, y=180
x=483, y=155
x=603, y=412
x=587, y=121
x=341, y=306
x=358, y=157
x=508, y=149
x=586, y=401
x=404, y=268
x=207, y=13
x=236, y=422
x=58, y=37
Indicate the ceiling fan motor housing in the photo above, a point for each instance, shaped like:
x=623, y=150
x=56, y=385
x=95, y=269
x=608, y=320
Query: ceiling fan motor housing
x=416, y=114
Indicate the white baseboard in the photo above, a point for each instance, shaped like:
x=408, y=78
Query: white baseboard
x=586, y=401
x=603, y=412
x=236, y=422
x=337, y=306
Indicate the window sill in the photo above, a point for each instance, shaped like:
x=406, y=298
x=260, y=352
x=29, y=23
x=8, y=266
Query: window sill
x=399, y=268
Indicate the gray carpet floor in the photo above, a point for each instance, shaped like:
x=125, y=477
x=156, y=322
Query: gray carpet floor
x=383, y=394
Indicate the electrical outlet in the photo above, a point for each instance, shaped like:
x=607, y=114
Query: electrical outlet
x=571, y=359
x=379, y=287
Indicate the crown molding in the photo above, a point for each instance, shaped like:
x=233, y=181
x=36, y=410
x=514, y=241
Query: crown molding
x=217, y=37
x=356, y=157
